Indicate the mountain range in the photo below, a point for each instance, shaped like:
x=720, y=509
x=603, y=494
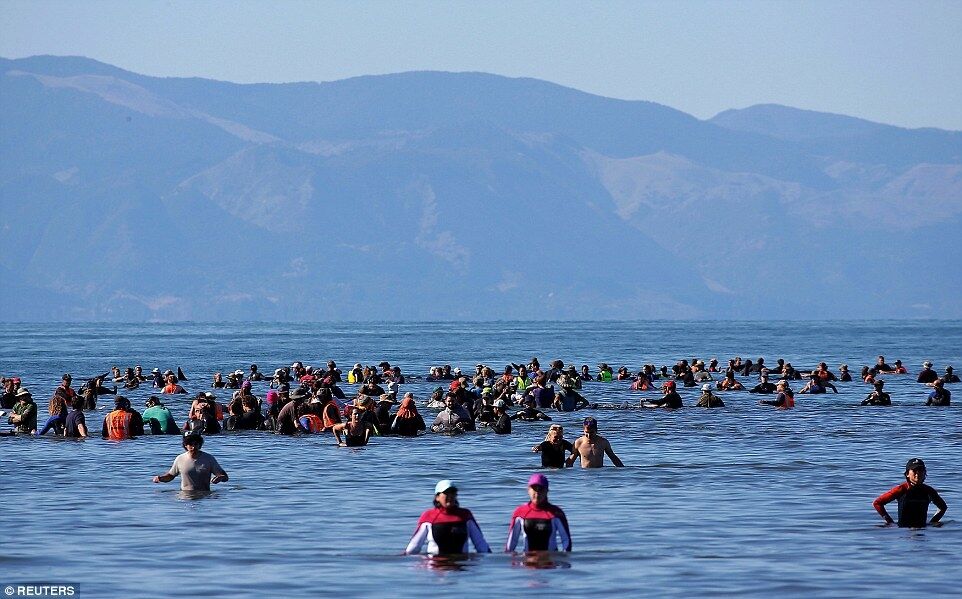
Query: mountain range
x=435, y=195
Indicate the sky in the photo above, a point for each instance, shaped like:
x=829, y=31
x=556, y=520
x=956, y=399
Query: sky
x=892, y=62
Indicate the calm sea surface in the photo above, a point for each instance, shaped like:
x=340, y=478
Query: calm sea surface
x=744, y=500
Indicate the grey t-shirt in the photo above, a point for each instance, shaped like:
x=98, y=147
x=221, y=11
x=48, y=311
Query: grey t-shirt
x=195, y=474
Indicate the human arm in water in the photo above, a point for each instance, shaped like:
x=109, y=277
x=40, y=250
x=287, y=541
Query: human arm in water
x=896, y=492
x=611, y=455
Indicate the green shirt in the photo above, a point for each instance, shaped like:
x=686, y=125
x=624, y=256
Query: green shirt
x=28, y=416
x=159, y=420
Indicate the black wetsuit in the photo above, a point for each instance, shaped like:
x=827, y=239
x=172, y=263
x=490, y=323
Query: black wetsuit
x=939, y=397
x=553, y=456
x=877, y=398
x=670, y=400
x=927, y=376
x=913, y=503
x=766, y=388
x=502, y=425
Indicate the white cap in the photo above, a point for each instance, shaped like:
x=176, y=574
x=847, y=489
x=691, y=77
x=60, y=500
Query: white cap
x=706, y=387
x=499, y=403
x=443, y=485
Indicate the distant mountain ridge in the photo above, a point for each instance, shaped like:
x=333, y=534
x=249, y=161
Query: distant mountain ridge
x=432, y=195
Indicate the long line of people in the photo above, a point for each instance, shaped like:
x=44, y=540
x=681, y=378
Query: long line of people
x=317, y=403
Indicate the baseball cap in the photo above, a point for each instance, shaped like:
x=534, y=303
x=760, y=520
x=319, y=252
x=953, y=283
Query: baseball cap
x=706, y=387
x=444, y=486
x=499, y=404
x=538, y=480
x=915, y=464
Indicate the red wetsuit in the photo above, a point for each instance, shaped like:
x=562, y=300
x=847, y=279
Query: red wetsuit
x=447, y=531
x=538, y=528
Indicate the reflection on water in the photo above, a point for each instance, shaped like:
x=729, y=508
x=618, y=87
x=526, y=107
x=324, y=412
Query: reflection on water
x=743, y=500
x=541, y=560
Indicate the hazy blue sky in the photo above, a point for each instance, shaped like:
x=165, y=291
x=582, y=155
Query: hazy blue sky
x=895, y=62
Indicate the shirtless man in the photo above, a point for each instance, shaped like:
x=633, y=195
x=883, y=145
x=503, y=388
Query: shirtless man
x=592, y=448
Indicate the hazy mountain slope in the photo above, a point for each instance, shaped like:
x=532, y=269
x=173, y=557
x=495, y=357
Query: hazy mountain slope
x=455, y=195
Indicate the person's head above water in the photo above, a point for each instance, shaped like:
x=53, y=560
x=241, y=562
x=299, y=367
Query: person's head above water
x=590, y=424
x=915, y=471
x=445, y=494
x=192, y=441
x=538, y=489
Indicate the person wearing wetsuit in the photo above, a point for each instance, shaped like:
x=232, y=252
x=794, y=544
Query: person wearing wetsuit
x=882, y=367
x=878, y=397
x=843, y=374
x=202, y=416
x=538, y=525
x=950, y=376
x=669, y=400
x=816, y=385
x=502, y=422
x=785, y=400
x=554, y=448
x=446, y=528
x=927, y=374
x=530, y=412
x=159, y=418
x=763, y=386
x=940, y=396
x=357, y=431
x=9, y=398
x=913, y=498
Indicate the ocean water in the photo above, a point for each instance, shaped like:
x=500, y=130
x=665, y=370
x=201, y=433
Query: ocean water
x=745, y=500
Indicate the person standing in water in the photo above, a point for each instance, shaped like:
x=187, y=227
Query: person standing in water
x=446, y=528
x=538, y=525
x=913, y=497
x=592, y=448
x=197, y=469
x=553, y=448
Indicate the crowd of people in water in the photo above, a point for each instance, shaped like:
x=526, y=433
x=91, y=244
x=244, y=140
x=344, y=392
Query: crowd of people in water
x=304, y=399
x=301, y=399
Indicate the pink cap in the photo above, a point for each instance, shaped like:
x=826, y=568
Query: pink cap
x=538, y=479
